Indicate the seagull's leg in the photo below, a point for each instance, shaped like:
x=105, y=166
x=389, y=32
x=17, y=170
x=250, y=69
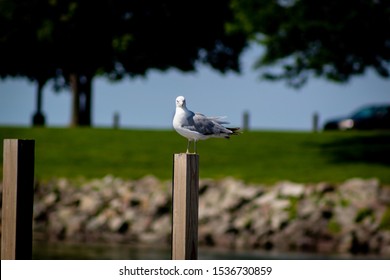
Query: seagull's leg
x=188, y=146
x=194, y=146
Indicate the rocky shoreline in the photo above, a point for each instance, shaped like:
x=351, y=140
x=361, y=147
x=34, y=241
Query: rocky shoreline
x=348, y=218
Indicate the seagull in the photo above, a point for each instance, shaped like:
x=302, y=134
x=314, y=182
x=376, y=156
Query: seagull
x=196, y=126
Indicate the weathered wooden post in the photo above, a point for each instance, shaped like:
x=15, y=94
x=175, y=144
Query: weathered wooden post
x=18, y=192
x=185, y=195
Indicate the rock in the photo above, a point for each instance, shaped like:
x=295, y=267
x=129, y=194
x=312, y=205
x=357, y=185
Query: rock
x=306, y=208
x=260, y=226
x=280, y=204
x=101, y=221
x=286, y=216
x=90, y=204
x=141, y=225
x=243, y=221
x=244, y=240
x=345, y=216
x=64, y=214
x=361, y=193
x=266, y=198
x=74, y=227
x=384, y=196
x=278, y=219
x=96, y=223
x=116, y=204
x=324, y=187
x=288, y=189
x=148, y=182
x=130, y=215
x=49, y=199
x=162, y=227
x=345, y=244
x=107, y=193
x=385, y=246
x=63, y=184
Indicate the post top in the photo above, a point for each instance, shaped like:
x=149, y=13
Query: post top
x=186, y=155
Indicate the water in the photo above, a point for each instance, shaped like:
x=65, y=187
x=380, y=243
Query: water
x=66, y=251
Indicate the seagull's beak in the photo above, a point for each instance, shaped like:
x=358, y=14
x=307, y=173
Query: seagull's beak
x=180, y=101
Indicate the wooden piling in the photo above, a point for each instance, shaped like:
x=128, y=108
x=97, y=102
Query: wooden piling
x=315, y=122
x=185, y=188
x=245, y=121
x=18, y=192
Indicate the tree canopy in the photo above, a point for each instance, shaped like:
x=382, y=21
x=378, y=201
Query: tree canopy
x=74, y=41
x=78, y=40
x=23, y=48
x=325, y=38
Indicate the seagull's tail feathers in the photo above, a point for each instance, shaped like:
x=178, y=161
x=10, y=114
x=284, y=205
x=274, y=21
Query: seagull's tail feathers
x=234, y=131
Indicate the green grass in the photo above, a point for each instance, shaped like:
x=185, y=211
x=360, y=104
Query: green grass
x=264, y=157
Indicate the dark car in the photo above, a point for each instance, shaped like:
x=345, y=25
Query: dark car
x=369, y=117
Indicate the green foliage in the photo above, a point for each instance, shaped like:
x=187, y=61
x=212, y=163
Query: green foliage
x=293, y=208
x=385, y=222
x=326, y=38
x=334, y=227
x=85, y=37
x=121, y=44
x=264, y=157
x=74, y=41
x=363, y=214
x=344, y=203
x=25, y=40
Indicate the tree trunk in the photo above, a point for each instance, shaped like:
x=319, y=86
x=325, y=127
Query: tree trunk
x=39, y=118
x=82, y=99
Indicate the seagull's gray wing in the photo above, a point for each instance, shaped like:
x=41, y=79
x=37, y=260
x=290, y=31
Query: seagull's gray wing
x=209, y=125
x=188, y=121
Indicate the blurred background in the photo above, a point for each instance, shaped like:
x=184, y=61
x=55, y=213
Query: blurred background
x=94, y=82
x=148, y=102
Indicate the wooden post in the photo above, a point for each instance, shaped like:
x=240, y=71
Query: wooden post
x=185, y=207
x=315, y=121
x=245, y=121
x=18, y=192
x=116, y=120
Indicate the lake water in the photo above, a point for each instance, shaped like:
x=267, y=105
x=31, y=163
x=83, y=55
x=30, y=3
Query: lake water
x=66, y=251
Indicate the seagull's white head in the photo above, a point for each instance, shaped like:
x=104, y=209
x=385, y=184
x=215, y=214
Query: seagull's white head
x=180, y=101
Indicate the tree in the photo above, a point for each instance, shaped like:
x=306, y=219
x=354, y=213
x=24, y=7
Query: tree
x=24, y=52
x=150, y=34
x=325, y=38
x=174, y=33
x=119, y=38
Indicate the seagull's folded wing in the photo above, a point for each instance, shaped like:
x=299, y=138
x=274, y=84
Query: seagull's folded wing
x=209, y=125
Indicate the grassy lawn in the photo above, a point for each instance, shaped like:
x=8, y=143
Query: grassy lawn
x=262, y=157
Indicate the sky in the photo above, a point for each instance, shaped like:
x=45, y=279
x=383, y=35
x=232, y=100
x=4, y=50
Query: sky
x=150, y=102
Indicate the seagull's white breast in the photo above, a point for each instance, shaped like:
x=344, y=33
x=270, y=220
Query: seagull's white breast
x=180, y=124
